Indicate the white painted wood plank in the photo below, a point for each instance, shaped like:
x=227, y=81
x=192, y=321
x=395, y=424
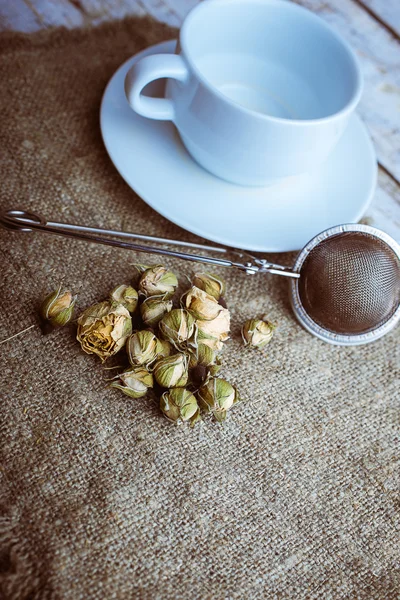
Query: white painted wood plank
x=379, y=55
x=384, y=211
x=387, y=10
x=56, y=12
x=17, y=16
x=183, y=7
x=97, y=11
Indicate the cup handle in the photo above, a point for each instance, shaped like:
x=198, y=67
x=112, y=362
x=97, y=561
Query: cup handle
x=147, y=70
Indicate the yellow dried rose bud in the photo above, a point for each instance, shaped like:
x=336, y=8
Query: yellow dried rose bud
x=142, y=347
x=58, y=307
x=177, y=327
x=104, y=328
x=134, y=382
x=178, y=404
x=202, y=305
x=211, y=284
x=172, y=371
x=164, y=349
x=157, y=281
x=153, y=309
x=257, y=333
x=125, y=295
x=213, y=333
x=208, y=340
x=217, y=396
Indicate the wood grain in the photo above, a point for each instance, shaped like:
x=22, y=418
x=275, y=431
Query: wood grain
x=18, y=16
x=386, y=10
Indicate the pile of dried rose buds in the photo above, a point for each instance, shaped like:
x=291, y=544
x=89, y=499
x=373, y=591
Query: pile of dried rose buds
x=175, y=350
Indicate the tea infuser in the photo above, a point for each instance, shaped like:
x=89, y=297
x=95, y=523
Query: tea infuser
x=344, y=285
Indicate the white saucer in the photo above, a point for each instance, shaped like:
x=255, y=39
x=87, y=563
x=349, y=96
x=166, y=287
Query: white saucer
x=281, y=217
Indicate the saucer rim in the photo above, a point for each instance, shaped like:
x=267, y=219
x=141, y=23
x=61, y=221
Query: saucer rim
x=168, y=46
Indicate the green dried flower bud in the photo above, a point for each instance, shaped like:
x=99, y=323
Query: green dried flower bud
x=134, y=382
x=257, y=333
x=153, y=309
x=142, y=348
x=177, y=327
x=217, y=396
x=178, y=404
x=57, y=308
x=125, y=295
x=172, y=371
x=158, y=281
x=202, y=355
x=202, y=305
x=164, y=349
x=213, y=370
x=211, y=284
x=104, y=328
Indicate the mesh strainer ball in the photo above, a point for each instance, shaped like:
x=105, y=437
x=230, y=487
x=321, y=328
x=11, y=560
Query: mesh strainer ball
x=349, y=286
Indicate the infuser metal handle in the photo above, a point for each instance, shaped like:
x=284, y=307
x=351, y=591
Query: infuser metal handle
x=25, y=221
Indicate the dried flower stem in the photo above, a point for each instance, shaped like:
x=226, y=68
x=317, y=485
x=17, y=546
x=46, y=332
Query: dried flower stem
x=17, y=334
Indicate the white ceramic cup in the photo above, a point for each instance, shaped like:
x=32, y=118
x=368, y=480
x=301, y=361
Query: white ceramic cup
x=258, y=89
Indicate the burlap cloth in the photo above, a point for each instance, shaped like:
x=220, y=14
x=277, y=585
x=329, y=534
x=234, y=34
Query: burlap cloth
x=296, y=496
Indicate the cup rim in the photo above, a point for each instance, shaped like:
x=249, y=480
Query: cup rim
x=287, y=5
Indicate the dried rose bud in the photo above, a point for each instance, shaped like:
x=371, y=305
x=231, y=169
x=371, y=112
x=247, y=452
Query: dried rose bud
x=213, y=333
x=153, y=309
x=211, y=284
x=208, y=340
x=134, y=382
x=104, y=328
x=172, y=371
x=57, y=308
x=202, y=305
x=164, y=349
x=178, y=404
x=200, y=374
x=177, y=327
x=142, y=348
x=257, y=333
x=125, y=295
x=204, y=363
x=158, y=281
x=217, y=396
x=203, y=355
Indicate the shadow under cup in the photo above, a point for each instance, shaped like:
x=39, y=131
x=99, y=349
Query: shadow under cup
x=286, y=83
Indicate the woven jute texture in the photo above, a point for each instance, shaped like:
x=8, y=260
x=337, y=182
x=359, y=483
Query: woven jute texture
x=295, y=496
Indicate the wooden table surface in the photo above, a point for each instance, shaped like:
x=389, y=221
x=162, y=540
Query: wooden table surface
x=372, y=27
